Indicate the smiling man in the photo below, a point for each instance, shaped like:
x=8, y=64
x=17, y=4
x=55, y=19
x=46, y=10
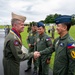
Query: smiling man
x=13, y=52
x=64, y=47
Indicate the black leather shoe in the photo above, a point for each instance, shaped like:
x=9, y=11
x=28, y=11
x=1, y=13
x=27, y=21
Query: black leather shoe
x=27, y=69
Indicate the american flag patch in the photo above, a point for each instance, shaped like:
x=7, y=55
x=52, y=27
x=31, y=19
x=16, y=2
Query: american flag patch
x=69, y=46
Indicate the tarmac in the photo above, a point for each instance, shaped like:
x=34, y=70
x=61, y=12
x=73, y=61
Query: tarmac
x=23, y=64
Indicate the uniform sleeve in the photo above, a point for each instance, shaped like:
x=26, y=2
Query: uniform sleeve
x=35, y=47
x=17, y=52
x=71, y=58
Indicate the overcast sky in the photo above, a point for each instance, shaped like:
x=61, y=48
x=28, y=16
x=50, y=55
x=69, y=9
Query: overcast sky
x=34, y=10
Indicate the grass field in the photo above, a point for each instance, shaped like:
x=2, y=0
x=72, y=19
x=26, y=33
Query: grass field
x=25, y=34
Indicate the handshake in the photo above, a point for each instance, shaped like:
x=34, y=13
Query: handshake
x=36, y=54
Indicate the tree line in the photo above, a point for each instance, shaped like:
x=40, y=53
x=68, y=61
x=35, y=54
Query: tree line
x=51, y=18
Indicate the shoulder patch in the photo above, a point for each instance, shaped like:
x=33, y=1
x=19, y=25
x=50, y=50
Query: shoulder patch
x=73, y=54
x=16, y=43
x=48, y=38
x=70, y=46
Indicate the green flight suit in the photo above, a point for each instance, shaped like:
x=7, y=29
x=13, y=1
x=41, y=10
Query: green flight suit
x=13, y=54
x=64, y=48
x=43, y=43
x=64, y=63
x=31, y=40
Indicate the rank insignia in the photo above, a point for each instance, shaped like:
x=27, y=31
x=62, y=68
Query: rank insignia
x=73, y=54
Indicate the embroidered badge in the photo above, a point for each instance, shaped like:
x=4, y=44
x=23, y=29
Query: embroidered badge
x=16, y=43
x=73, y=54
x=61, y=44
x=47, y=39
x=70, y=46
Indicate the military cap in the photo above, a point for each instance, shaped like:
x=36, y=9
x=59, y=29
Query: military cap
x=63, y=19
x=40, y=24
x=19, y=17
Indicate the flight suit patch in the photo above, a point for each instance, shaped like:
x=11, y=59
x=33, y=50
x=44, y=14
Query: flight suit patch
x=61, y=44
x=73, y=54
x=47, y=39
x=70, y=46
x=16, y=43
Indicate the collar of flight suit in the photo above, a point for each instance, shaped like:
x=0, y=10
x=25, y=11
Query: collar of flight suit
x=64, y=37
x=34, y=32
x=14, y=32
x=40, y=36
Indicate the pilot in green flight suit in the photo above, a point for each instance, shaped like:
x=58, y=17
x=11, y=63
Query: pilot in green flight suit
x=31, y=42
x=43, y=43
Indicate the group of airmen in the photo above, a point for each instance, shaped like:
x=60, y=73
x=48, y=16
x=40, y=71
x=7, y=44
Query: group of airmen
x=40, y=48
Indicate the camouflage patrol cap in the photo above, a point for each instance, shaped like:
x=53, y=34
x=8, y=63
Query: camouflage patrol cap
x=19, y=17
x=63, y=19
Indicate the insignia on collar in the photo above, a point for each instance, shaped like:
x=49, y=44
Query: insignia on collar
x=16, y=43
x=73, y=54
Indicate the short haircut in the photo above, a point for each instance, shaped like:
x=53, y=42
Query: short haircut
x=14, y=21
x=68, y=24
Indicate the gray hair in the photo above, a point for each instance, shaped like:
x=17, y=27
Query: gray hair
x=14, y=21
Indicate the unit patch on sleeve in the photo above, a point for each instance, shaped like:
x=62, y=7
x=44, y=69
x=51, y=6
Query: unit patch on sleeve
x=16, y=43
x=73, y=54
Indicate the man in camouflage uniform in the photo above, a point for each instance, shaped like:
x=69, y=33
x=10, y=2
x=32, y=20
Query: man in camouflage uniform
x=31, y=42
x=13, y=52
x=64, y=47
x=43, y=43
